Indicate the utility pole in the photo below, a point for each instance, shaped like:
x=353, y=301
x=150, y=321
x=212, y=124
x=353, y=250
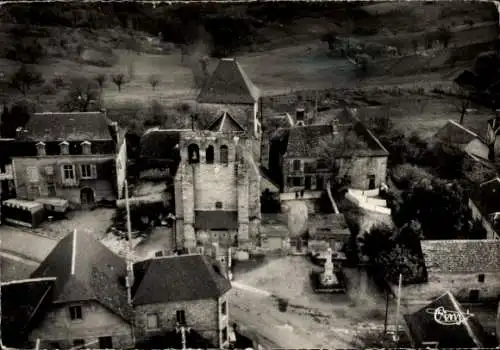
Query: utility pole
x=183, y=330
x=130, y=267
x=316, y=106
x=1, y=342
x=398, y=306
x=386, y=309
x=129, y=237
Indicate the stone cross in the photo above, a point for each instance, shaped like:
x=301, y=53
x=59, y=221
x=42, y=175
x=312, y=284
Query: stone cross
x=328, y=276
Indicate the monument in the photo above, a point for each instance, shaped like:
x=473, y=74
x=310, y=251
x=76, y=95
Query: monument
x=327, y=281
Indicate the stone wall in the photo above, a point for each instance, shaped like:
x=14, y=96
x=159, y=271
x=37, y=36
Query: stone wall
x=97, y=321
x=203, y=316
x=199, y=186
x=358, y=170
x=459, y=285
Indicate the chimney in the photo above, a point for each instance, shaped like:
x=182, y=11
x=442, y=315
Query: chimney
x=300, y=116
x=19, y=132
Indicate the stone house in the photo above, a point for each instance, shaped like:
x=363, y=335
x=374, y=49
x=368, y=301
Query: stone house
x=298, y=155
x=469, y=269
x=79, y=157
x=78, y=298
x=452, y=133
x=425, y=332
x=84, y=296
x=180, y=291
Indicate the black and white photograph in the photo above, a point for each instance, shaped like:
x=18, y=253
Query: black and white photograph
x=249, y=175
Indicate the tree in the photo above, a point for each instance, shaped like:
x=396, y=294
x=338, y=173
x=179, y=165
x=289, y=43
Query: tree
x=83, y=92
x=414, y=44
x=493, y=129
x=17, y=115
x=153, y=80
x=26, y=50
x=119, y=79
x=331, y=39
x=199, y=68
x=462, y=102
x=443, y=34
x=391, y=252
x=25, y=78
x=100, y=80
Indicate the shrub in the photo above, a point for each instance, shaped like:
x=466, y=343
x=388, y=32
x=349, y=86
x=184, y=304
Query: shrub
x=48, y=89
x=406, y=174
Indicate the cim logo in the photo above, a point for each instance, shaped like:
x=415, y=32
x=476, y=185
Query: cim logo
x=449, y=318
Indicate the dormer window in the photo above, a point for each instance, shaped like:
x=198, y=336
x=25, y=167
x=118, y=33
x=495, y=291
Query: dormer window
x=64, y=147
x=40, y=149
x=86, y=147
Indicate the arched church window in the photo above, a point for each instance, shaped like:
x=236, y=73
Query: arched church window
x=209, y=154
x=193, y=154
x=224, y=157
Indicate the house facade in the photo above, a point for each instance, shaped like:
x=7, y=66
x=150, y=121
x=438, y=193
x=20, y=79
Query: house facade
x=84, y=296
x=178, y=294
x=86, y=306
x=306, y=167
x=469, y=269
x=73, y=156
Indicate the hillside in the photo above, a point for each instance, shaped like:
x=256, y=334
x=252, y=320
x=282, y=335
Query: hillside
x=279, y=45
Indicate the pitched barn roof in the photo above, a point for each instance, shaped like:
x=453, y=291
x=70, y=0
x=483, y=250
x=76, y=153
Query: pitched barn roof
x=86, y=270
x=216, y=220
x=454, y=133
x=423, y=327
x=225, y=123
x=21, y=300
x=229, y=84
x=177, y=278
x=71, y=126
x=461, y=256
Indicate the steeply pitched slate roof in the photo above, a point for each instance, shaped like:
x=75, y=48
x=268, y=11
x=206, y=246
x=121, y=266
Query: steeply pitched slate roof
x=72, y=126
x=160, y=144
x=98, y=273
x=461, y=256
x=303, y=139
x=229, y=84
x=423, y=327
x=487, y=196
x=177, y=278
x=216, y=220
x=351, y=138
x=454, y=133
x=20, y=302
x=226, y=123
